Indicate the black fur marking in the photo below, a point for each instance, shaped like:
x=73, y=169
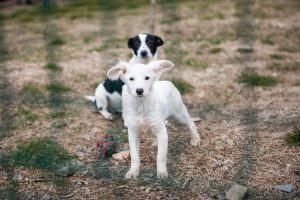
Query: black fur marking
x=113, y=86
x=153, y=42
x=134, y=43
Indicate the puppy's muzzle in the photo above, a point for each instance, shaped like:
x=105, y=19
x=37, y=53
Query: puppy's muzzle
x=140, y=91
x=144, y=54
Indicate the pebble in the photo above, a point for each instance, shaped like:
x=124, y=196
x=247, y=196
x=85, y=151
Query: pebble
x=17, y=177
x=121, y=155
x=285, y=188
x=65, y=171
x=46, y=197
x=236, y=192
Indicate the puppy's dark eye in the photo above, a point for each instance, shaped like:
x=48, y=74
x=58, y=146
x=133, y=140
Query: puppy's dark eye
x=149, y=42
x=147, y=78
x=131, y=78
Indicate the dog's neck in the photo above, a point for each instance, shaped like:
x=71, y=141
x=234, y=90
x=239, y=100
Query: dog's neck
x=136, y=60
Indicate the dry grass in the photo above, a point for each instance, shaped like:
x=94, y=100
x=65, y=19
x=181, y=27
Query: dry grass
x=243, y=129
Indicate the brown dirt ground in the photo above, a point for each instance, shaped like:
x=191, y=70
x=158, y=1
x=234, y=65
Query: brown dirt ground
x=242, y=128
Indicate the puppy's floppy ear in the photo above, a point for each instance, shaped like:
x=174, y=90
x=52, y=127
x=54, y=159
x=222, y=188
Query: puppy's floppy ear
x=130, y=43
x=160, y=66
x=159, y=41
x=118, y=70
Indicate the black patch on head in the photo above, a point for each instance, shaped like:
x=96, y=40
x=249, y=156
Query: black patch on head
x=113, y=86
x=153, y=42
x=134, y=43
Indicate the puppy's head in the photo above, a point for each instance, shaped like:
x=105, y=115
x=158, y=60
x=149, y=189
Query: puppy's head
x=144, y=45
x=139, y=77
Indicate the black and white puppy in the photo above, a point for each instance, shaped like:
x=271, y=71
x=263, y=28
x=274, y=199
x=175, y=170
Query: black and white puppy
x=108, y=99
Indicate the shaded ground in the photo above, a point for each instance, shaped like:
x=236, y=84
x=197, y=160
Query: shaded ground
x=51, y=56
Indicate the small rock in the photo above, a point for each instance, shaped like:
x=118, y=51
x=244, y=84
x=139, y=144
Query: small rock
x=148, y=190
x=46, y=197
x=160, y=193
x=65, y=171
x=121, y=155
x=17, y=177
x=176, y=198
x=170, y=198
x=236, y=192
x=196, y=119
x=142, y=188
x=285, y=188
x=221, y=196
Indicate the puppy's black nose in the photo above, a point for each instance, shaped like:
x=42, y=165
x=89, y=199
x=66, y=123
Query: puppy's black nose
x=144, y=53
x=140, y=91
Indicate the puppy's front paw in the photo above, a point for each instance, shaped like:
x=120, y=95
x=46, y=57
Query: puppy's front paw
x=132, y=174
x=195, y=141
x=108, y=115
x=162, y=174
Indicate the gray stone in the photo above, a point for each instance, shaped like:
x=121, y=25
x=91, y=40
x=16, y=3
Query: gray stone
x=17, y=177
x=46, y=197
x=65, y=171
x=236, y=192
x=285, y=188
x=221, y=196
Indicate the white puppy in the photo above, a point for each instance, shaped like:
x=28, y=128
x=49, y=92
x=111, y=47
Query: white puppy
x=108, y=93
x=147, y=102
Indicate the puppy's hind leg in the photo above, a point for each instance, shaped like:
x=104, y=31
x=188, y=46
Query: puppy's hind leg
x=102, y=102
x=183, y=117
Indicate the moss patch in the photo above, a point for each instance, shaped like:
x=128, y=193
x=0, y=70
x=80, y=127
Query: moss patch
x=28, y=114
x=196, y=64
x=57, y=88
x=245, y=50
x=182, y=86
x=293, y=138
x=39, y=153
x=57, y=41
x=277, y=56
x=253, y=79
x=53, y=67
x=215, y=50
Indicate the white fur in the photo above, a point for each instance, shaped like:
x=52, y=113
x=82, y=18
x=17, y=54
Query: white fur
x=159, y=101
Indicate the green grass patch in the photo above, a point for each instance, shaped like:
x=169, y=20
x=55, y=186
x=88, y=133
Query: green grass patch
x=175, y=54
x=39, y=153
x=245, y=50
x=293, y=138
x=94, y=85
x=183, y=86
x=171, y=19
x=28, y=114
x=109, y=44
x=119, y=134
x=196, y=64
x=32, y=89
x=268, y=40
x=57, y=41
x=215, y=41
x=56, y=114
x=277, y=56
x=53, y=67
x=293, y=66
x=253, y=79
x=217, y=15
x=57, y=88
x=215, y=50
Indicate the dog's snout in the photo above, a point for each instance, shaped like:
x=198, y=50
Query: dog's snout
x=139, y=91
x=144, y=53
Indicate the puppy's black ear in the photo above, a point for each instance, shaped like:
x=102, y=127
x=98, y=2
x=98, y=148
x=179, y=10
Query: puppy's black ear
x=130, y=43
x=159, y=41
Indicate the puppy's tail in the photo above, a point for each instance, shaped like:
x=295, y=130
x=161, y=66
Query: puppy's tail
x=91, y=98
